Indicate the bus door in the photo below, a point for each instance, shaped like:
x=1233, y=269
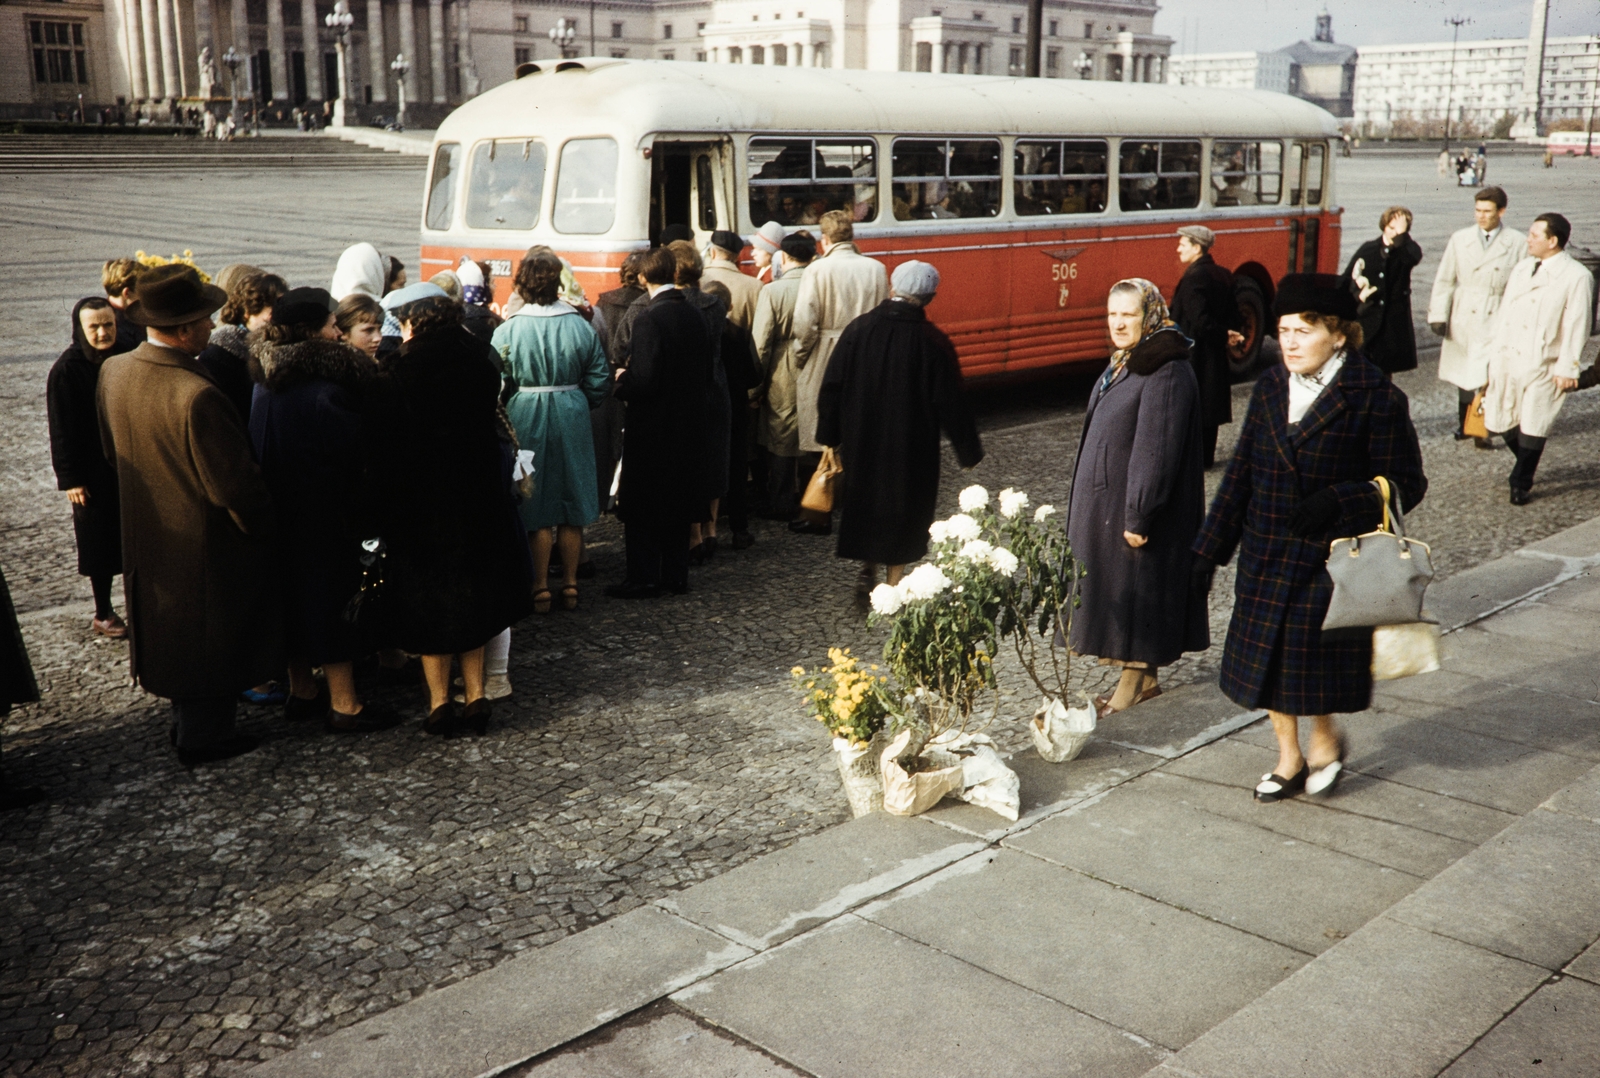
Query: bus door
x=1307, y=171
x=690, y=183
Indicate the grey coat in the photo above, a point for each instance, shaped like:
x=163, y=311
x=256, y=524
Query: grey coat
x=1140, y=470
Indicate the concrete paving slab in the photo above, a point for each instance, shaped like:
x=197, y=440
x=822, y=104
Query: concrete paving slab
x=1548, y=664
x=1161, y=972
x=1241, y=764
x=524, y=1006
x=854, y=1000
x=1471, y=594
x=659, y=1043
x=1582, y=593
x=784, y=893
x=1178, y=721
x=1047, y=788
x=1515, y=713
x=1578, y=541
x=1539, y=623
x=1554, y=1034
x=1446, y=685
x=1391, y=1000
x=1405, y=849
x=1581, y=798
x=1292, y=892
x=1586, y=965
x=1528, y=893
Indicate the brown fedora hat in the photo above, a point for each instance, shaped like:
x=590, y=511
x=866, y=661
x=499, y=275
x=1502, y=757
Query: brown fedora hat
x=172, y=295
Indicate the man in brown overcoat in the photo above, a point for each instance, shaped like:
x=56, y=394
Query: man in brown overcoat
x=196, y=517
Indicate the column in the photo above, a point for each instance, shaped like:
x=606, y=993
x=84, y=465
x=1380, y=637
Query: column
x=1529, y=101
x=436, y=49
x=277, y=51
x=408, y=45
x=150, y=24
x=311, y=45
x=133, y=51
x=171, y=87
x=376, y=51
x=470, y=84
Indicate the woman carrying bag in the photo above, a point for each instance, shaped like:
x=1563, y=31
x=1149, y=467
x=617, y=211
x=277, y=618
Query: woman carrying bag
x=1319, y=429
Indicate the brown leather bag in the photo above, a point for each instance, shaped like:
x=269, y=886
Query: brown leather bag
x=818, y=497
x=1473, y=426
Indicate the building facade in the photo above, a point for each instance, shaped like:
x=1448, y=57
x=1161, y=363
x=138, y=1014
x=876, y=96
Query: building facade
x=1320, y=70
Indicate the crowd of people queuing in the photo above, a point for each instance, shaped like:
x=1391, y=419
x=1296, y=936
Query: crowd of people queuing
x=397, y=473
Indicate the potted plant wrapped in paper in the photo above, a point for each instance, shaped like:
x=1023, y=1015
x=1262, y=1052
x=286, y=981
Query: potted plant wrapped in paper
x=853, y=704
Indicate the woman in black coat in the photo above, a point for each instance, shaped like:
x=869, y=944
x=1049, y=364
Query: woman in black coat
x=458, y=570
x=1319, y=429
x=1379, y=275
x=1203, y=308
x=80, y=460
x=1138, y=494
x=306, y=429
x=718, y=429
x=892, y=384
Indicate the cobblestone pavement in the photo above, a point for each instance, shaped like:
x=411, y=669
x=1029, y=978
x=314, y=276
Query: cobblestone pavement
x=167, y=922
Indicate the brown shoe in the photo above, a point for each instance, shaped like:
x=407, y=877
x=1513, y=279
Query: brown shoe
x=113, y=627
x=1105, y=711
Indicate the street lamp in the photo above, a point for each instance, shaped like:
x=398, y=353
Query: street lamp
x=400, y=67
x=1449, y=95
x=339, y=21
x=563, y=35
x=1083, y=65
x=231, y=60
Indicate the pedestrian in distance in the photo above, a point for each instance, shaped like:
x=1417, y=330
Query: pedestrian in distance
x=1538, y=337
x=666, y=388
x=841, y=286
x=79, y=460
x=1138, y=496
x=307, y=429
x=722, y=265
x=457, y=571
x=610, y=310
x=778, y=425
x=204, y=613
x=1204, y=309
x=359, y=319
x=893, y=385
x=120, y=279
x=227, y=355
x=1467, y=291
x=738, y=351
x=559, y=367
x=1318, y=430
x=1380, y=275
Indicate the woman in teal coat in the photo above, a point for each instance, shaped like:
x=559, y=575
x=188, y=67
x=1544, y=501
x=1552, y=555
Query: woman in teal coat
x=560, y=369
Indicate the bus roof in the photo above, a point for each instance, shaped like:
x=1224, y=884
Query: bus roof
x=633, y=98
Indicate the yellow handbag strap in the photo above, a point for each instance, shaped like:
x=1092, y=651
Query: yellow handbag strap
x=1388, y=518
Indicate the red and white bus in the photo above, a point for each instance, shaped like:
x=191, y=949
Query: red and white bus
x=1031, y=196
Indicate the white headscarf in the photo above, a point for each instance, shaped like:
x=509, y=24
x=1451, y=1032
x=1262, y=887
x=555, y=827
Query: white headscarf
x=361, y=269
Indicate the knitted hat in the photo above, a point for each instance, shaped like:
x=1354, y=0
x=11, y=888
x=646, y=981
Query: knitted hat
x=768, y=238
x=914, y=279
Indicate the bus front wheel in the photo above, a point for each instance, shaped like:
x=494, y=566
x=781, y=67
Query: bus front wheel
x=1244, y=358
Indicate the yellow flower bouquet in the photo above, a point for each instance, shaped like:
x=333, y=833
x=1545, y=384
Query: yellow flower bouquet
x=187, y=259
x=851, y=702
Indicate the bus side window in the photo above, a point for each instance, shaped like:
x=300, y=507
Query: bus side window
x=442, y=187
x=505, y=185
x=939, y=179
x=1297, y=155
x=586, y=186
x=1159, y=175
x=1316, y=156
x=1059, y=177
x=794, y=181
x=1246, y=173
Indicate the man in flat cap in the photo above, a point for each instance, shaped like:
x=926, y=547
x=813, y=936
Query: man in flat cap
x=203, y=617
x=722, y=266
x=1204, y=308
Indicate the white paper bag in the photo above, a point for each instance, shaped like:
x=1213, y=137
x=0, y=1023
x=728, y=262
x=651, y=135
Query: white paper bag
x=1404, y=650
x=1059, y=732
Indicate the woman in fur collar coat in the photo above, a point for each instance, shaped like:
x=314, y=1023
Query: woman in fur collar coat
x=306, y=427
x=1138, y=496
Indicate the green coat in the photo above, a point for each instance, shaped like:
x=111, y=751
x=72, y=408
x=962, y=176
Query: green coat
x=544, y=347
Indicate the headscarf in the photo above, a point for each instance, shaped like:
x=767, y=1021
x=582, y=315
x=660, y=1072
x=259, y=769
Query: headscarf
x=1155, y=319
x=81, y=342
x=474, y=292
x=361, y=269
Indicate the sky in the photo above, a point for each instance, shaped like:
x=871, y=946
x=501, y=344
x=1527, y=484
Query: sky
x=1239, y=25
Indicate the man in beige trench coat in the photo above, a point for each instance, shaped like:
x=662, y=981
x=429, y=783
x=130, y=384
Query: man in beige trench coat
x=1539, y=334
x=840, y=286
x=203, y=615
x=777, y=430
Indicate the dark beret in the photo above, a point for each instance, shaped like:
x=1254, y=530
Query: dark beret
x=303, y=307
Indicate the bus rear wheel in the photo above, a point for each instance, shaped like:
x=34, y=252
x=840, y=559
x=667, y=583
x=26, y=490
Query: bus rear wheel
x=1244, y=358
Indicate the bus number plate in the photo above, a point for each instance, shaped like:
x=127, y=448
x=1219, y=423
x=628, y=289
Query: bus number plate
x=1061, y=273
x=500, y=267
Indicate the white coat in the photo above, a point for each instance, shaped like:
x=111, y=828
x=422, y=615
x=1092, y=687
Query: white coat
x=1538, y=336
x=837, y=289
x=1466, y=295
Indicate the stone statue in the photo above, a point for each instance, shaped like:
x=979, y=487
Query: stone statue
x=208, y=73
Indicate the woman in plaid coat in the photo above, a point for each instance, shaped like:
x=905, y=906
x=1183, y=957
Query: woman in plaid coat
x=1319, y=429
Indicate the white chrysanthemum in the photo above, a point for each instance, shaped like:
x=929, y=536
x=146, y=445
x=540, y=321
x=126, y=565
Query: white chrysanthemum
x=924, y=582
x=1042, y=512
x=887, y=599
x=938, y=531
x=977, y=550
x=961, y=528
x=974, y=498
x=1012, y=502
x=1003, y=561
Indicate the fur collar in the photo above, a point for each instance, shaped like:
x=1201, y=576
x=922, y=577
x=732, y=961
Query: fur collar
x=234, y=339
x=284, y=366
x=1157, y=350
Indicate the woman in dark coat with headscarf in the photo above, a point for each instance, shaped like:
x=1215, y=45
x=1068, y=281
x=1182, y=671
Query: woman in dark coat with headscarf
x=1379, y=275
x=1319, y=429
x=306, y=428
x=893, y=383
x=458, y=571
x=1138, y=495
x=79, y=459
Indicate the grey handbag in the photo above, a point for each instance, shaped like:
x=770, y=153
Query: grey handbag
x=1379, y=578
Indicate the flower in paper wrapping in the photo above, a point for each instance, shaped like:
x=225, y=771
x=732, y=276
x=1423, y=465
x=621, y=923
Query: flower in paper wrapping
x=924, y=582
x=1003, y=561
x=974, y=498
x=977, y=550
x=938, y=531
x=887, y=599
x=1012, y=502
x=1041, y=513
x=961, y=528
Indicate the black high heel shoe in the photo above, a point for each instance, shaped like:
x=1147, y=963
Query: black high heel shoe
x=475, y=716
x=442, y=721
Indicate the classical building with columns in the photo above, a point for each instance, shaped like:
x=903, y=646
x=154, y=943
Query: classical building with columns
x=160, y=55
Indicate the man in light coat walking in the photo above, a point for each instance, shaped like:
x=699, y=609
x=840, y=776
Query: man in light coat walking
x=1539, y=333
x=1466, y=294
x=777, y=430
x=839, y=287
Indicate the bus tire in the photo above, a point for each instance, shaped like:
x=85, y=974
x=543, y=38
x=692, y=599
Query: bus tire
x=1244, y=358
